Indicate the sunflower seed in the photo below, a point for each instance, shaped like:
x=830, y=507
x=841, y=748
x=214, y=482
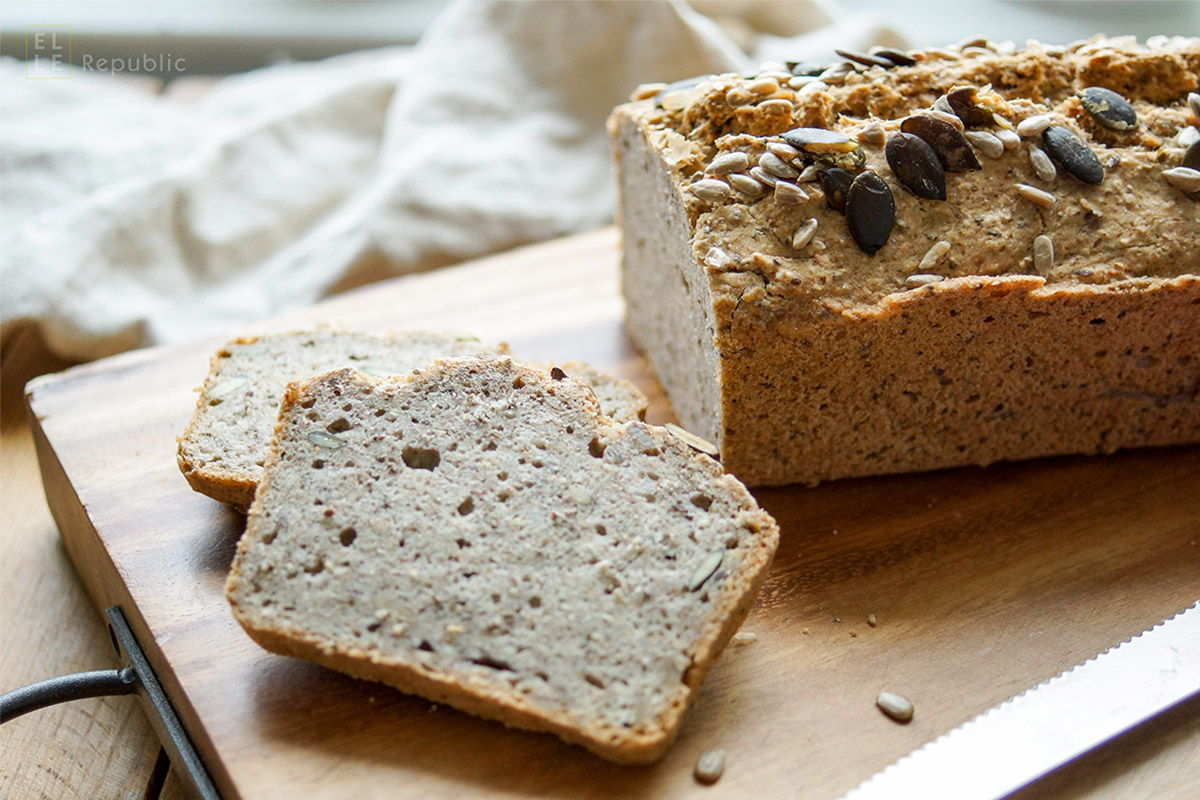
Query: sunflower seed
x=778, y=106
x=732, y=161
x=1194, y=105
x=1035, y=195
x=677, y=100
x=783, y=150
x=743, y=639
x=811, y=88
x=710, y=190
x=222, y=389
x=932, y=256
x=764, y=86
x=1009, y=137
x=789, y=194
x=717, y=258
x=804, y=234
x=1033, y=126
x=870, y=212
x=920, y=279
x=692, y=440
x=1043, y=254
x=1191, y=156
x=872, y=133
x=1070, y=152
x=897, y=57
x=871, y=620
x=866, y=59
x=710, y=767
x=917, y=166
x=1108, y=108
x=1188, y=136
x=678, y=87
x=987, y=143
x=809, y=174
x=323, y=439
x=746, y=185
x=704, y=570
x=942, y=104
x=965, y=103
x=762, y=176
x=1042, y=165
x=947, y=117
x=739, y=96
x=895, y=706
x=646, y=91
x=777, y=166
x=946, y=140
x=835, y=182
x=1183, y=178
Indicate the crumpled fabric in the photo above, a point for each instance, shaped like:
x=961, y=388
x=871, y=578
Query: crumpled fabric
x=129, y=219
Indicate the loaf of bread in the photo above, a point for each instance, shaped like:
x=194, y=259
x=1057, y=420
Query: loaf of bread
x=923, y=259
x=478, y=533
x=223, y=448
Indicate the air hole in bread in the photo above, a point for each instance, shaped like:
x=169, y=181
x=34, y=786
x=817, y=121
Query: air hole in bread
x=425, y=645
x=651, y=451
x=316, y=567
x=518, y=383
x=379, y=412
x=269, y=536
x=318, y=463
x=503, y=496
x=461, y=542
x=308, y=403
x=347, y=537
x=373, y=627
x=593, y=680
x=490, y=446
x=421, y=458
x=535, y=602
x=603, y=531
x=702, y=501
x=466, y=506
x=338, y=425
x=313, y=416
x=596, y=448
x=348, y=407
x=492, y=663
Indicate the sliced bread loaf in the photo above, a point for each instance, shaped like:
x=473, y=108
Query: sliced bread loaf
x=223, y=448
x=478, y=533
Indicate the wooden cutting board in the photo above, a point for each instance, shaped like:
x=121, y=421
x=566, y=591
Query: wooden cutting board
x=981, y=582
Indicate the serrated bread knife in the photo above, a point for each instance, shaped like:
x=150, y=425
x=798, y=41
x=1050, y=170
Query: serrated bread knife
x=1026, y=737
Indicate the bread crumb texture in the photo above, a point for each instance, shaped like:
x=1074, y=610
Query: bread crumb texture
x=477, y=532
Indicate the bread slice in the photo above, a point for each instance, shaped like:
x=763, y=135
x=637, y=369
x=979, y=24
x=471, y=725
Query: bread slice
x=223, y=448
x=478, y=533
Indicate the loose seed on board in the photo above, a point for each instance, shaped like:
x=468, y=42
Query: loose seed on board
x=870, y=212
x=692, y=440
x=733, y=161
x=946, y=140
x=789, y=194
x=1194, y=105
x=710, y=190
x=1009, y=137
x=323, y=439
x=1043, y=253
x=1108, y=108
x=746, y=185
x=762, y=176
x=917, y=166
x=871, y=620
x=1033, y=126
x=872, y=133
x=804, y=233
x=1070, y=152
x=987, y=143
x=222, y=389
x=704, y=570
x=710, y=767
x=835, y=182
x=777, y=166
x=895, y=706
x=932, y=256
x=1042, y=165
x=743, y=639
x=1035, y=195
x=1183, y=178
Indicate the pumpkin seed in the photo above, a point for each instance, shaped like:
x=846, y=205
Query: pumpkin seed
x=965, y=103
x=1188, y=136
x=692, y=440
x=895, y=706
x=866, y=59
x=1193, y=101
x=818, y=141
x=222, y=389
x=835, y=182
x=704, y=570
x=870, y=212
x=323, y=439
x=710, y=767
x=917, y=166
x=1109, y=108
x=897, y=57
x=1070, y=153
x=1191, y=156
x=948, y=142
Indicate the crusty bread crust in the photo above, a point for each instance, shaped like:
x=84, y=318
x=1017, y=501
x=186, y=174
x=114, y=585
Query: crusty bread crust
x=641, y=744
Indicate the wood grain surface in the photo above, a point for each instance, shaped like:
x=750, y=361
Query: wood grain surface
x=982, y=582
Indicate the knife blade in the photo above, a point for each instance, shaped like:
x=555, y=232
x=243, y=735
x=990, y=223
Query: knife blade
x=1028, y=736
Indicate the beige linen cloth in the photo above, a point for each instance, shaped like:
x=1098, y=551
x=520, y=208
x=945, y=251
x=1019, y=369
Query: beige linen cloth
x=128, y=219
